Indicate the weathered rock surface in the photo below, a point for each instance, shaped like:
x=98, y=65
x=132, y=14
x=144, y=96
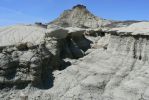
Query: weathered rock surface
x=115, y=24
x=73, y=63
x=28, y=63
x=79, y=16
x=140, y=28
x=21, y=33
x=118, y=73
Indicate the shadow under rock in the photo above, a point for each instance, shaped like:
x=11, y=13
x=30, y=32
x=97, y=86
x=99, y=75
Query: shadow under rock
x=47, y=77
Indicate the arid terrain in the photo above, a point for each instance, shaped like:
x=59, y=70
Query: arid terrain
x=78, y=56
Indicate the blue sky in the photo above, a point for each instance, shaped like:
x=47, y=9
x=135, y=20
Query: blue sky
x=30, y=11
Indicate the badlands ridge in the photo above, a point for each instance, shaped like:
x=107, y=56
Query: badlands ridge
x=78, y=56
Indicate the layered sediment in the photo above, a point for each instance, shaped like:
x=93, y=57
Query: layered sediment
x=75, y=63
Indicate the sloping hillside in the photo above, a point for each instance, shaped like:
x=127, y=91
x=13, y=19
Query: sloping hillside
x=75, y=59
x=79, y=16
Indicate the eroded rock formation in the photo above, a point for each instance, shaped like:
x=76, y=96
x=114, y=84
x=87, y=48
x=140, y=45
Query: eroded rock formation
x=79, y=16
x=75, y=63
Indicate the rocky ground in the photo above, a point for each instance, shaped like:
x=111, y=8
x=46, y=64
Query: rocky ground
x=75, y=59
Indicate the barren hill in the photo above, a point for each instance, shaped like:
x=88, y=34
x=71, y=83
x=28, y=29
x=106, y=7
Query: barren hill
x=79, y=16
x=77, y=57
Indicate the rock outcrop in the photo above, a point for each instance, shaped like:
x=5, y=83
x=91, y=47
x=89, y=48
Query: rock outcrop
x=79, y=16
x=27, y=63
x=75, y=63
x=119, y=72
